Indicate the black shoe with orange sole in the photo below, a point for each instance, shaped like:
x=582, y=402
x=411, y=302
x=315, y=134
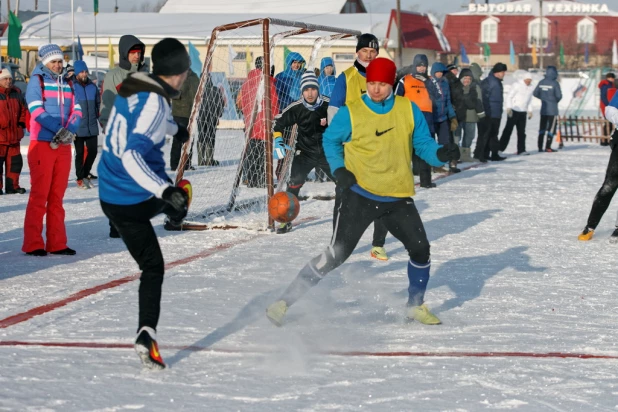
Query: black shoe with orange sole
x=147, y=349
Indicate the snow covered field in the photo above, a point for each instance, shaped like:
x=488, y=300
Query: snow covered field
x=509, y=280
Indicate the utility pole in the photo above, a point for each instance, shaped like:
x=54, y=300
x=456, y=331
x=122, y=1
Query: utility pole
x=116, y=8
x=36, y=5
x=541, y=35
x=8, y=7
x=399, y=36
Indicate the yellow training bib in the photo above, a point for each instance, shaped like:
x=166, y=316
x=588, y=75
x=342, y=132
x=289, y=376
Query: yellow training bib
x=380, y=150
x=356, y=85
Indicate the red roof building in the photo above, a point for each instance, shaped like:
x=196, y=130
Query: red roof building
x=421, y=33
x=580, y=28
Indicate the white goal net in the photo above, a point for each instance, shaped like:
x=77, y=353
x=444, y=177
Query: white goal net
x=251, y=73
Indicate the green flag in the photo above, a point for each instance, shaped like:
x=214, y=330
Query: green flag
x=486, y=51
x=561, y=54
x=96, y=7
x=14, y=49
x=286, y=51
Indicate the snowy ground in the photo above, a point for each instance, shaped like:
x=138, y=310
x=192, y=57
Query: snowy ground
x=508, y=275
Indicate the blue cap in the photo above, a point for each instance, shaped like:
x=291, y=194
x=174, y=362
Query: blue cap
x=80, y=66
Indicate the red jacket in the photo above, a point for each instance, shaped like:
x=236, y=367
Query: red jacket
x=248, y=93
x=12, y=114
x=605, y=86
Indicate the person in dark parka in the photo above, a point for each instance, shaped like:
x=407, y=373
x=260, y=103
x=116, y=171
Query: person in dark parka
x=489, y=127
x=89, y=99
x=548, y=90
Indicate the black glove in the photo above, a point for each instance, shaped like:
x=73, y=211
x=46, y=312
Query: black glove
x=448, y=153
x=22, y=125
x=182, y=135
x=178, y=199
x=344, y=178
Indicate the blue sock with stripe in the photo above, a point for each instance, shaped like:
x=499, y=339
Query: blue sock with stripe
x=418, y=274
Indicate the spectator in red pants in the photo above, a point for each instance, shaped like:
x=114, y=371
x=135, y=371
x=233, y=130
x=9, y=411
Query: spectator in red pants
x=12, y=122
x=55, y=117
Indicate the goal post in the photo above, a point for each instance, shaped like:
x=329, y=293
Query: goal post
x=229, y=155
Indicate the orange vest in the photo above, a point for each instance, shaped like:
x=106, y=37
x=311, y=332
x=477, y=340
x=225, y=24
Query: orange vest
x=416, y=92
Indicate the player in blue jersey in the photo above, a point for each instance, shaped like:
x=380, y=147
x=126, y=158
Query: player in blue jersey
x=133, y=184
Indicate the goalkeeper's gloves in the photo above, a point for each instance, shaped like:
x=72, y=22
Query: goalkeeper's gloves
x=178, y=199
x=279, y=148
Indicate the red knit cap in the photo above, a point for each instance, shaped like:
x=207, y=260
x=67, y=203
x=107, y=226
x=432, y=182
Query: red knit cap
x=381, y=70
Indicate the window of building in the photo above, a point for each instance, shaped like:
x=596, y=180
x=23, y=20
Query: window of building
x=489, y=30
x=242, y=56
x=586, y=30
x=533, y=32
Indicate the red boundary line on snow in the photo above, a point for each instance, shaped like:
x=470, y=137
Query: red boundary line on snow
x=39, y=310
x=403, y=354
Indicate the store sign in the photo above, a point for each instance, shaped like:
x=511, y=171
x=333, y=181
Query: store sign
x=550, y=8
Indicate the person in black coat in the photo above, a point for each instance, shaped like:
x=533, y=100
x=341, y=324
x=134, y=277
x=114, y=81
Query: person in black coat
x=211, y=110
x=309, y=114
x=489, y=127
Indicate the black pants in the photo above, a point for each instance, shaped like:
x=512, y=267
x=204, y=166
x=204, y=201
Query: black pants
x=302, y=164
x=605, y=194
x=254, y=167
x=488, y=138
x=422, y=169
x=379, y=228
x=133, y=224
x=207, y=134
x=518, y=120
x=547, y=125
x=83, y=166
x=355, y=214
x=176, y=150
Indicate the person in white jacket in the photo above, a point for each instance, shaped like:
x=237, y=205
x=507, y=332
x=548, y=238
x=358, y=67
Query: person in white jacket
x=518, y=106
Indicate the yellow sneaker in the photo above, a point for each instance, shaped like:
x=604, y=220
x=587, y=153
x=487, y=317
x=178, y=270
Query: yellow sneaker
x=379, y=253
x=586, y=235
x=423, y=315
x=276, y=312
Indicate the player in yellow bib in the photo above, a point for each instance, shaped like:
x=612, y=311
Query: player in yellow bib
x=369, y=146
x=349, y=87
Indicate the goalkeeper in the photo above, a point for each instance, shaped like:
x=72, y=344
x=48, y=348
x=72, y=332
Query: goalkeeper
x=133, y=184
x=377, y=133
x=309, y=115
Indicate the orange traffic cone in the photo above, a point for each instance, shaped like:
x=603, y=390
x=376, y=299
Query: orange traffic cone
x=559, y=140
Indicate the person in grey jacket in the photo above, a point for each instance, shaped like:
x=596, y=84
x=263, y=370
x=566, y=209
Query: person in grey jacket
x=548, y=90
x=468, y=103
x=131, y=60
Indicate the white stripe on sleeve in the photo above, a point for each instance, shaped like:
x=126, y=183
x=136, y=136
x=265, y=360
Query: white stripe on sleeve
x=150, y=117
x=136, y=167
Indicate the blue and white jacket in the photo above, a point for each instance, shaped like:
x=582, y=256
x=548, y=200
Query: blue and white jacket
x=132, y=167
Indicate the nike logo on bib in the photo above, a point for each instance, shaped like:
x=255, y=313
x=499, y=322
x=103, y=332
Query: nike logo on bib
x=384, y=131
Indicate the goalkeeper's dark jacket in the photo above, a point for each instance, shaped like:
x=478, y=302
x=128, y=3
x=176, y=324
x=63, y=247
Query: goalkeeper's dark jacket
x=310, y=121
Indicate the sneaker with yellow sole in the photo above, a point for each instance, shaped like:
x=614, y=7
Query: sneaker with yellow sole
x=379, y=253
x=586, y=234
x=423, y=315
x=276, y=312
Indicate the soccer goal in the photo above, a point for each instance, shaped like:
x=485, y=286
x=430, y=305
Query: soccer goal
x=228, y=159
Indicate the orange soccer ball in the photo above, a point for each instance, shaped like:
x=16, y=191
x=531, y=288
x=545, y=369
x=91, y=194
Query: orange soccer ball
x=283, y=207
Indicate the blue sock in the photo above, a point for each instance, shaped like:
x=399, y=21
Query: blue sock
x=418, y=274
